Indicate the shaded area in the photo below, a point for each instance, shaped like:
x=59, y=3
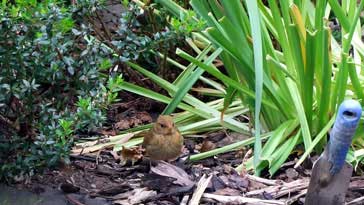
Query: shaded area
x=48, y=196
x=13, y=196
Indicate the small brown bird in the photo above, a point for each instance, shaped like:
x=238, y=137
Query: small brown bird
x=163, y=141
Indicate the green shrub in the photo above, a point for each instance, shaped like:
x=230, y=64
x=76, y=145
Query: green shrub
x=142, y=31
x=51, y=81
x=50, y=84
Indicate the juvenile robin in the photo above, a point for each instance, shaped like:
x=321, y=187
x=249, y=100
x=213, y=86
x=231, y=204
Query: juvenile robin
x=163, y=141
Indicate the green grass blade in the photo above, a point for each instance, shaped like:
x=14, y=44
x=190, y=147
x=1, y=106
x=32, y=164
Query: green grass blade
x=300, y=113
x=226, y=148
x=222, y=77
x=283, y=152
x=158, y=97
x=187, y=84
x=258, y=64
x=317, y=139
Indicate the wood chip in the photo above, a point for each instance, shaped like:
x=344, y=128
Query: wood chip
x=93, y=146
x=359, y=200
x=184, y=200
x=136, y=196
x=201, y=187
x=282, y=189
x=262, y=180
x=166, y=169
x=241, y=200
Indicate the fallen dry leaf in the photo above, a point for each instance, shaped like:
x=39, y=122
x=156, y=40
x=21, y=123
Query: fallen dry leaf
x=240, y=200
x=126, y=138
x=136, y=196
x=138, y=118
x=227, y=192
x=122, y=125
x=115, y=155
x=145, y=117
x=114, y=190
x=133, y=154
x=200, y=189
x=207, y=145
x=168, y=170
x=96, y=145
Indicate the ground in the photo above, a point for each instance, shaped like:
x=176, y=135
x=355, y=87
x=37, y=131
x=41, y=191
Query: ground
x=106, y=181
x=101, y=178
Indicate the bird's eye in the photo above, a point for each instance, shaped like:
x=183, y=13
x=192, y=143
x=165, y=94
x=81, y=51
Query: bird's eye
x=162, y=126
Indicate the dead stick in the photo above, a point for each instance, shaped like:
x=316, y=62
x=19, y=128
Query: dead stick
x=356, y=201
x=262, y=180
x=73, y=201
x=200, y=189
x=295, y=198
x=240, y=199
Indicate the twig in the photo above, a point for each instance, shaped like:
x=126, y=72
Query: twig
x=295, y=198
x=106, y=29
x=289, y=190
x=356, y=201
x=96, y=29
x=247, y=155
x=8, y=122
x=184, y=200
x=262, y=180
x=83, y=157
x=282, y=189
x=241, y=200
x=99, y=34
x=201, y=187
x=73, y=201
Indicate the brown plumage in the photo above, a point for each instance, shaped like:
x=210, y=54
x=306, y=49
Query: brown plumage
x=163, y=141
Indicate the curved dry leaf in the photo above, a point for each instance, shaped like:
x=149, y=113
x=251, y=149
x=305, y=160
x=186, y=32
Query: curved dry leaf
x=168, y=170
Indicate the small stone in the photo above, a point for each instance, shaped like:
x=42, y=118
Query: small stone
x=291, y=173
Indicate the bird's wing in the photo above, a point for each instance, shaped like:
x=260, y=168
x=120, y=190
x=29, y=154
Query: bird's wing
x=176, y=138
x=147, y=137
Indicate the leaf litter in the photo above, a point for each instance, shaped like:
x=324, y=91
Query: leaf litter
x=127, y=177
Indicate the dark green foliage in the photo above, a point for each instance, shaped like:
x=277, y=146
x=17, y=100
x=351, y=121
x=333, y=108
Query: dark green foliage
x=50, y=84
x=143, y=31
x=53, y=73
